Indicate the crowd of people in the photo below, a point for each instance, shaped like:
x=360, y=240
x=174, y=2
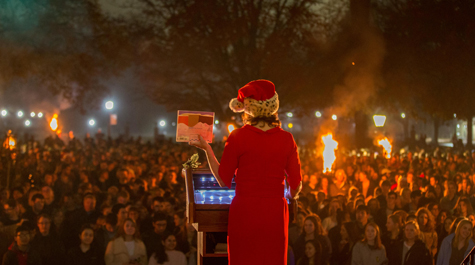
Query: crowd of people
x=122, y=201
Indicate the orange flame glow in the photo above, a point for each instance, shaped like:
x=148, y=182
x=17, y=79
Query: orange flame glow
x=387, y=147
x=329, y=156
x=54, y=122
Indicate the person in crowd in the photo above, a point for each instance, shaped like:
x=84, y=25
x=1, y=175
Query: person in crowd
x=393, y=235
x=341, y=254
x=12, y=213
x=331, y=221
x=313, y=252
x=370, y=250
x=87, y=214
x=362, y=218
x=181, y=233
x=38, y=201
x=463, y=208
x=412, y=250
x=296, y=228
x=154, y=237
x=455, y=247
x=313, y=230
x=166, y=254
x=384, y=212
x=120, y=210
x=126, y=248
x=449, y=201
x=339, y=185
x=426, y=223
x=86, y=253
x=106, y=233
x=48, y=243
x=20, y=252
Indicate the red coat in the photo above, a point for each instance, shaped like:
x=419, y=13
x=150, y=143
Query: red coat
x=258, y=216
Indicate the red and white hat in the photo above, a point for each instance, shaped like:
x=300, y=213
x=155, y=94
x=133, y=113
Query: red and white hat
x=256, y=98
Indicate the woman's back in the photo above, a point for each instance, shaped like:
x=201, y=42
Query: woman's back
x=262, y=159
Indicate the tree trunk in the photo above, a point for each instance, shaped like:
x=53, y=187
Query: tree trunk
x=435, y=141
x=469, y=132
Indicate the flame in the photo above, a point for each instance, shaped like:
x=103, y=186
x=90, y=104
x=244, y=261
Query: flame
x=54, y=122
x=230, y=128
x=387, y=147
x=329, y=156
x=10, y=141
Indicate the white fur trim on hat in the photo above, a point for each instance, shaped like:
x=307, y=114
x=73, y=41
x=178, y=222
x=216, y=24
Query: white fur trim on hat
x=236, y=106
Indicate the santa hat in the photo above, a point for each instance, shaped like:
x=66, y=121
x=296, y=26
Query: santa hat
x=256, y=98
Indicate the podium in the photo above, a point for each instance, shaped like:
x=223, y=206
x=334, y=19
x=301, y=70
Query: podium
x=207, y=209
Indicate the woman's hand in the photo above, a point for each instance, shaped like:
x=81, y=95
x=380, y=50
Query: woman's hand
x=202, y=144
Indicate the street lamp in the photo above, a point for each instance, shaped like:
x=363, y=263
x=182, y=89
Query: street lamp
x=162, y=123
x=27, y=123
x=20, y=114
x=40, y=114
x=92, y=122
x=318, y=114
x=379, y=120
x=32, y=114
x=109, y=105
x=290, y=114
x=403, y=115
x=334, y=117
x=4, y=113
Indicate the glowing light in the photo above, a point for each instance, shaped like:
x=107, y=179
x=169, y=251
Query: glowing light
x=216, y=122
x=9, y=142
x=27, y=123
x=162, y=123
x=40, y=114
x=4, y=113
x=54, y=122
x=387, y=147
x=352, y=63
x=231, y=128
x=334, y=117
x=379, y=120
x=20, y=114
x=290, y=114
x=92, y=122
x=318, y=114
x=290, y=125
x=109, y=105
x=32, y=114
x=403, y=115
x=458, y=125
x=455, y=115
x=329, y=155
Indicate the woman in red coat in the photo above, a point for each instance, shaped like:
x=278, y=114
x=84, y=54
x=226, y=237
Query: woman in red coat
x=260, y=154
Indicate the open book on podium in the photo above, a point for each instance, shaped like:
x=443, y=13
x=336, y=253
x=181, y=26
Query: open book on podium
x=193, y=123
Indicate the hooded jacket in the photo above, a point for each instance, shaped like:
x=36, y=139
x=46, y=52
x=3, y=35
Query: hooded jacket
x=418, y=254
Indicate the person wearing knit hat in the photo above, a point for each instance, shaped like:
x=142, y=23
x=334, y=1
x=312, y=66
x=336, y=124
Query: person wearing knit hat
x=260, y=156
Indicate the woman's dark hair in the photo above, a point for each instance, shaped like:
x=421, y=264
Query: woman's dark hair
x=85, y=227
x=318, y=253
x=160, y=254
x=272, y=120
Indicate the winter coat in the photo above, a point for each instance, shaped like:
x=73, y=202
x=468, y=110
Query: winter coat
x=445, y=250
x=418, y=254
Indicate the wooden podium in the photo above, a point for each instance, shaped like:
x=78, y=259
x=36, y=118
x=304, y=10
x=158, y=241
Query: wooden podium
x=207, y=209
